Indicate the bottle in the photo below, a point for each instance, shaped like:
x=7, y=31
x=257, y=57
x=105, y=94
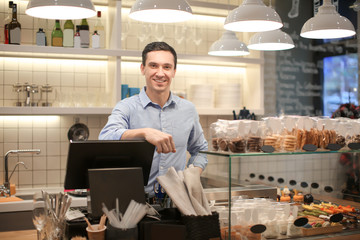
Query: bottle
x=57, y=35
x=68, y=34
x=100, y=29
x=84, y=34
x=7, y=20
x=40, y=38
x=77, y=41
x=95, y=40
x=14, y=28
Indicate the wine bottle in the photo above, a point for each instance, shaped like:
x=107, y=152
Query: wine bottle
x=7, y=20
x=68, y=34
x=84, y=34
x=14, y=27
x=77, y=41
x=99, y=28
x=57, y=35
x=95, y=40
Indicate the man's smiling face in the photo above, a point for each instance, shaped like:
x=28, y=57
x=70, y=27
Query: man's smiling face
x=159, y=70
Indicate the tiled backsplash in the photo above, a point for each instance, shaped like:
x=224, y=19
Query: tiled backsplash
x=47, y=133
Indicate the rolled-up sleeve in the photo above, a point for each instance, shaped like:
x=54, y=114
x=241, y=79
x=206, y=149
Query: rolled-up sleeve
x=118, y=123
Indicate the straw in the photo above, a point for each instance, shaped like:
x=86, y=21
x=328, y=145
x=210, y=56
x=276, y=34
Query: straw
x=88, y=223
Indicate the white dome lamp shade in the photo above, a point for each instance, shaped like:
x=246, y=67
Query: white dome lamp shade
x=271, y=41
x=228, y=45
x=253, y=16
x=60, y=9
x=327, y=24
x=161, y=11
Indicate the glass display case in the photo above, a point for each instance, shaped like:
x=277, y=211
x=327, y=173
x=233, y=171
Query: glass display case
x=231, y=180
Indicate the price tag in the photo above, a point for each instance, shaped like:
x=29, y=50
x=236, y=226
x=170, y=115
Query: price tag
x=309, y=147
x=336, y=217
x=267, y=149
x=258, y=228
x=301, y=221
x=334, y=147
x=354, y=146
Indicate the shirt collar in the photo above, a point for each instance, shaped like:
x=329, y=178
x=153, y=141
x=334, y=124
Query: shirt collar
x=145, y=100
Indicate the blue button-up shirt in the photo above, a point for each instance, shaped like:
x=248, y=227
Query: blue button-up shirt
x=178, y=118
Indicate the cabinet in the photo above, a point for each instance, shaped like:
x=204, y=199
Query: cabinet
x=92, y=78
x=258, y=174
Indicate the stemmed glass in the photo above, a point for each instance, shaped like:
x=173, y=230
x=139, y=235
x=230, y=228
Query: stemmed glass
x=39, y=214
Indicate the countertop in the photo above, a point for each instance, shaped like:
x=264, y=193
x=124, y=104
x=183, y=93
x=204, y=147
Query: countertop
x=26, y=205
x=31, y=235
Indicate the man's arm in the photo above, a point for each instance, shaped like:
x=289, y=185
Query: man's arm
x=163, y=142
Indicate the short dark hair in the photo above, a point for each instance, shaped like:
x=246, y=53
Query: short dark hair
x=158, y=46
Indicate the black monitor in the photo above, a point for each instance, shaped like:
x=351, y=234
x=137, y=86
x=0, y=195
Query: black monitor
x=94, y=154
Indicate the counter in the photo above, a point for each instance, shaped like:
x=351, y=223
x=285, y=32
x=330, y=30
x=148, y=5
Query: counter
x=31, y=235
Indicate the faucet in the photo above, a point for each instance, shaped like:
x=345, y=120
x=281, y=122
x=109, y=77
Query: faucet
x=6, y=187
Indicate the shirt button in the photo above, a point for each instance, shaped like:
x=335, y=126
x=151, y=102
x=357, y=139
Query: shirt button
x=161, y=168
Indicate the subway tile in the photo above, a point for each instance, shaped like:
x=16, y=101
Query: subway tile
x=27, y=36
x=67, y=79
x=53, y=78
x=39, y=134
x=53, y=135
x=39, y=78
x=25, y=135
x=25, y=178
x=64, y=148
x=53, y=163
x=81, y=79
x=53, y=177
x=39, y=163
x=54, y=66
x=53, y=122
x=11, y=64
x=39, y=122
x=10, y=77
x=53, y=149
x=11, y=135
x=39, y=178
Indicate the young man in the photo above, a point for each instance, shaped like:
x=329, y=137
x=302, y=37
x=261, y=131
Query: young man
x=156, y=115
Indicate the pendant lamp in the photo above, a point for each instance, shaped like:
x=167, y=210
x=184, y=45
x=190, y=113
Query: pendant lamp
x=60, y=9
x=228, y=45
x=161, y=11
x=271, y=41
x=327, y=24
x=253, y=16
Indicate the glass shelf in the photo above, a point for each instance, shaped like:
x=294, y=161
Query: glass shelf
x=251, y=154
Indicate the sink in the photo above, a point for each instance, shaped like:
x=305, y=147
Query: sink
x=25, y=197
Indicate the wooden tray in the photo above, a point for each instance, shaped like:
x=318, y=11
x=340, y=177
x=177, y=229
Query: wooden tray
x=321, y=230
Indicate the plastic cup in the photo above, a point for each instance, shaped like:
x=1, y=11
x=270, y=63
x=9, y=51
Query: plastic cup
x=96, y=234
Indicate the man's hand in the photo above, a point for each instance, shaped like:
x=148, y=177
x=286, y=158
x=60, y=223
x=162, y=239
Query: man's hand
x=164, y=142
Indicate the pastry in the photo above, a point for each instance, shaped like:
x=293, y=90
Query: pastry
x=340, y=140
x=215, y=144
x=253, y=144
x=223, y=144
x=237, y=145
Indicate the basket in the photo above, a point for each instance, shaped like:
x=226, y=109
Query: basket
x=202, y=227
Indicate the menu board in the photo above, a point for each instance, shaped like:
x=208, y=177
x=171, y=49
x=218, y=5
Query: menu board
x=299, y=70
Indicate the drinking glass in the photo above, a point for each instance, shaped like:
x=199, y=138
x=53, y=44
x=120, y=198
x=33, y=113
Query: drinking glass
x=39, y=214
